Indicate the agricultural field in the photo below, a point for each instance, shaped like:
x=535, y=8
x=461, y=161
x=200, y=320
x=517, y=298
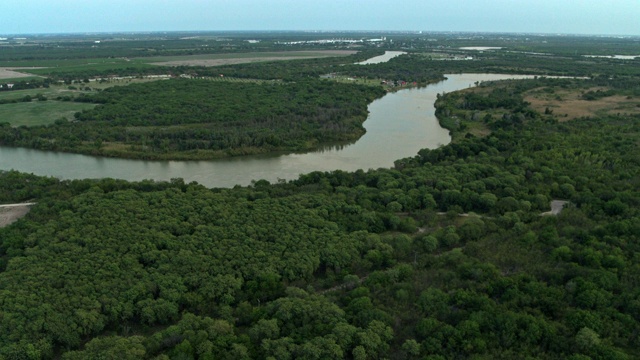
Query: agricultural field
x=242, y=58
x=56, y=102
x=44, y=67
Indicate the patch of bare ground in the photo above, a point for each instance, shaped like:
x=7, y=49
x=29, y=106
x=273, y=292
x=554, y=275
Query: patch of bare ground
x=569, y=104
x=289, y=55
x=11, y=73
x=556, y=207
x=13, y=212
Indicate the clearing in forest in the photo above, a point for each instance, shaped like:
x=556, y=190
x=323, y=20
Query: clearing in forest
x=35, y=113
x=11, y=73
x=568, y=104
x=242, y=58
x=13, y=212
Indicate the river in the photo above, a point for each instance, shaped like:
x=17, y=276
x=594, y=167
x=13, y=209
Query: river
x=399, y=124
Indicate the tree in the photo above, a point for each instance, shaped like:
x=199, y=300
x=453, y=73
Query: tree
x=264, y=329
x=428, y=243
x=110, y=348
x=586, y=339
x=359, y=353
x=411, y=348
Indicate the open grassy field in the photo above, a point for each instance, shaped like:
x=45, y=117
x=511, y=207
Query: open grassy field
x=476, y=109
x=568, y=104
x=240, y=58
x=31, y=68
x=11, y=75
x=58, y=63
x=43, y=67
x=46, y=112
x=51, y=93
x=15, y=74
x=248, y=55
x=73, y=90
x=39, y=112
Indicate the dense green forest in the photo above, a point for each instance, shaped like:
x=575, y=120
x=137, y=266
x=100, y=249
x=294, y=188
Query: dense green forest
x=199, y=119
x=445, y=256
x=450, y=254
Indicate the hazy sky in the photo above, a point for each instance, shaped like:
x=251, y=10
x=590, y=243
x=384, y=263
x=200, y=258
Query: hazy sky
x=541, y=16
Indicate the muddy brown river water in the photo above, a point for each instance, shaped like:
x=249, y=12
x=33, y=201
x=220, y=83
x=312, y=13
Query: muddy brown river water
x=399, y=124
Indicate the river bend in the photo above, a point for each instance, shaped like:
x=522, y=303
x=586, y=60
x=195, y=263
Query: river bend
x=399, y=124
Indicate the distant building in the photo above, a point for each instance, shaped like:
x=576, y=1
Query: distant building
x=10, y=86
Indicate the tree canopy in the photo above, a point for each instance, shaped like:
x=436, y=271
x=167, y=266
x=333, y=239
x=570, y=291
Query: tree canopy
x=198, y=119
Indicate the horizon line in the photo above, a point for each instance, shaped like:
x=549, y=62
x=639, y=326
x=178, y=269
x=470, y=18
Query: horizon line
x=86, y=33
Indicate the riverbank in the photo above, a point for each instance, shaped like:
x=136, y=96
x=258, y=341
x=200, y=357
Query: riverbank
x=462, y=116
x=185, y=119
x=398, y=126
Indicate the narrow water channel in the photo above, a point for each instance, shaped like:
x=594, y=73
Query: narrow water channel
x=399, y=124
